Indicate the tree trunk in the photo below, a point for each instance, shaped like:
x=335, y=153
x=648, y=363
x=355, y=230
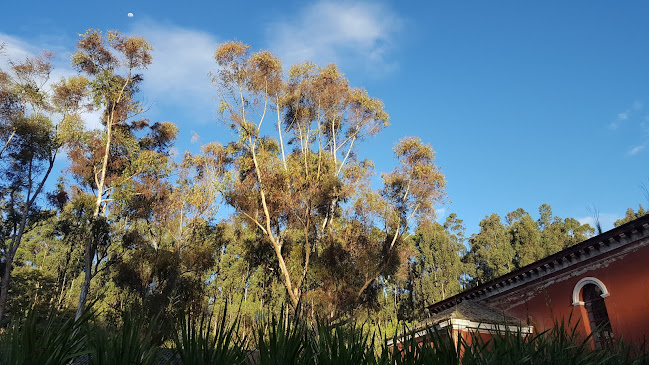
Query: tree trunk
x=15, y=242
x=85, y=287
x=90, y=244
x=63, y=276
x=6, y=276
x=61, y=293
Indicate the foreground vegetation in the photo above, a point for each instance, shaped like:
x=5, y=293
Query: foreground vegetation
x=285, y=339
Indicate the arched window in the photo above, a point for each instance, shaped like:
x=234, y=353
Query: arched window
x=593, y=293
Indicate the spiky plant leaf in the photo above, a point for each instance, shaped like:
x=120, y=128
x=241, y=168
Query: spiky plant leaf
x=131, y=344
x=55, y=341
x=198, y=342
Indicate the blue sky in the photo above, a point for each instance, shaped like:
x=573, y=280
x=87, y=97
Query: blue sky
x=525, y=102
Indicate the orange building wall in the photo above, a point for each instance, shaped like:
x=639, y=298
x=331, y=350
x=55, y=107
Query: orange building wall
x=468, y=336
x=626, y=278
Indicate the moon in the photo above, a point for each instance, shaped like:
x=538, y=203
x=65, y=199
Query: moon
x=130, y=15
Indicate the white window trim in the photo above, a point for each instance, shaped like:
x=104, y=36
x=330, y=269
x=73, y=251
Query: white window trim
x=583, y=282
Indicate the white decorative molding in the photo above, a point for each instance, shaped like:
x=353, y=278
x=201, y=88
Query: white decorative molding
x=468, y=326
x=582, y=283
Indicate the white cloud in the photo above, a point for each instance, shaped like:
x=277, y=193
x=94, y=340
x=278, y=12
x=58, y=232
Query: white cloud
x=625, y=115
x=182, y=60
x=178, y=77
x=641, y=128
x=621, y=117
x=637, y=105
x=341, y=32
x=17, y=50
x=606, y=220
x=635, y=150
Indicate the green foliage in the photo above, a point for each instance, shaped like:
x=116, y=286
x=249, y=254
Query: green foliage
x=292, y=183
x=525, y=238
x=436, y=347
x=282, y=340
x=437, y=270
x=498, y=249
x=36, y=286
x=29, y=112
x=131, y=343
x=490, y=251
x=200, y=342
x=27, y=341
x=348, y=345
x=560, y=344
x=631, y=215
x=287, y=339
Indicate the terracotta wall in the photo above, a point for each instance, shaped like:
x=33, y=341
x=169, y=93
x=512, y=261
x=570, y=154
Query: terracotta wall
x=626, y=277
x=469, y=335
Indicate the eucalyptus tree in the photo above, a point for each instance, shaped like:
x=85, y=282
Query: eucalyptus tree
x=438, y=267
x=498, y=249
x=490, y=252
x=107, y=160
x=33, y=116
x=557, y=233
x=525, y=237
x=409, y=195
x=630, y=215
x=293, y=165
x=69, y=228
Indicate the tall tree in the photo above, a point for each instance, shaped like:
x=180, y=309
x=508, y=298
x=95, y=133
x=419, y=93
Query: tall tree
x=71, y=228
x=149, y=259
x=438, y=267
x=525, y=238
x=630, y=215
x=410, y=192
x=575, y=232
x=29, y=115
x=97, y=159
x=491, y=253
x=293, y=197
x=498, y=249
x=558, y=234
